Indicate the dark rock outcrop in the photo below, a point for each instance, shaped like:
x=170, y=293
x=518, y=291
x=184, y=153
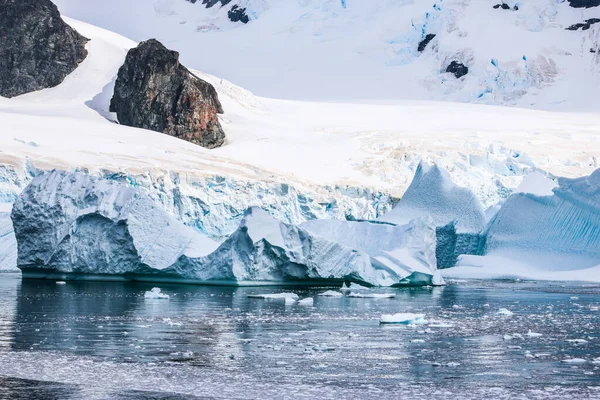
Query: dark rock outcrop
x=238, y=13
x=584, y=25
x=154, y=91
x=210, y=3
x=458, y=69
x=37, y=48
x=423, y=43
x=503, y=6
x=584, y=3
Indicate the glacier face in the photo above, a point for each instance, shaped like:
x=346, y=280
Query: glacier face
x=8, y=243
x=558, y=232
x=70, y=224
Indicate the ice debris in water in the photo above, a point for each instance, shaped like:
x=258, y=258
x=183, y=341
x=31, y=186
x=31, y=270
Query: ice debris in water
x=155, y=293
x=288, y=298
x=372, y=295
x=61, y=282
x=331, y=293
x=353, y=286
x=309, y=301
x=504, y=311
x=574, y=360
x=403, y=318
x=577, y=341
x=533, y=334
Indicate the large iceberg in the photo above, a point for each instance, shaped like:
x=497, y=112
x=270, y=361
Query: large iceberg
x=404, y=254
x=433, y=194
x=72, y=225
x=543, y=237
x=456, y=212
x=558, y=232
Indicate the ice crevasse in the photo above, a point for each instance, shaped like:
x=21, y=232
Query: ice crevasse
x=72, y=225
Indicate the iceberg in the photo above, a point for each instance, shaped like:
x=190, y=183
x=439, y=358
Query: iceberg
x=331, y=293
x=560, y=232
x=398, y=254
x=403, y=318
x=8, y=242
x=456, y=213
x=433, y=194
x=155, y=293
x=75, y=226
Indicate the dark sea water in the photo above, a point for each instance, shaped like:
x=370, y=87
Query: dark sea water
x=93, y=340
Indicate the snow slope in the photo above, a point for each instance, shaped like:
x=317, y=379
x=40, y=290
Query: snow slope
x=356, y=49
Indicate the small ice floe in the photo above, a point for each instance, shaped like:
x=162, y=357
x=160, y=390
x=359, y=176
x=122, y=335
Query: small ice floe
x=331, y=293
x=486, y=305
x=155, y=293
x=533, y=334
x=417, y=341
x=457, y=307
x=574, y=360
x=323, y=347
x=403, y=318
x=452, y=364
x=372, y=295
x=61, y=282
x=577, y=341
x=596, y=360
x=353, y=286
x=574, y=298
x=288, y=298
x=504, y=311
x=309, y=302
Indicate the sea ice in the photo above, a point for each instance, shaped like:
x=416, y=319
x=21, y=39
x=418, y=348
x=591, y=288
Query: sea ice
x=287, y=297
x=574, y=360
x=155, y=293
x=533, y=334
x=61, y=282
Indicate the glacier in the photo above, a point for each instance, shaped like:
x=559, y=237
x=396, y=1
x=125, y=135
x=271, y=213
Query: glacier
x=73, y=225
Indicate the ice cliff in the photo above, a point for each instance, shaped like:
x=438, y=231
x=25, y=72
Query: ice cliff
x=557, y=232
x=73, y=224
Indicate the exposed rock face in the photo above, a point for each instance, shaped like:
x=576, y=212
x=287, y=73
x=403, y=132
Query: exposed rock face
x=458, y=69
x=37, y=48
x=584, y=25
x=584, y=3
x=238, y=13
x=423, y=43
x=154, y=91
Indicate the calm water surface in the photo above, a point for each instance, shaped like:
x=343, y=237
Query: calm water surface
x=105, y=341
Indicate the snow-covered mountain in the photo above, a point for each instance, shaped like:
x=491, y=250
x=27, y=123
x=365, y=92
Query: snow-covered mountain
x=531, y=53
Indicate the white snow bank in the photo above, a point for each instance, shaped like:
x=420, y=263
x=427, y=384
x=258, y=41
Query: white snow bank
x=155, y=293
x=403, y=318
x=433, y=194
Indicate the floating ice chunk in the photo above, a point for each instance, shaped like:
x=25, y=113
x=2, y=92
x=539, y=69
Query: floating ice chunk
x=508, y=337
x=289, y=298
x=309, y=301
x=372, y=295
x=596, y=360
x=155, y=293
x=452, y=364
x=574, y=298
x=403, y=318
x=61, y=282
x=533, y=334
x=574, y=360
x=577, y=341
x=417, y=341
x=331, y=293
x=504, y=311
x=353, y=286
x=440, y=325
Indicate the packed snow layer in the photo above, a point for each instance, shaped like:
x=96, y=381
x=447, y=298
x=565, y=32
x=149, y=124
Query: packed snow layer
x=543, y=237
x=398, y=249
x=433, y=194
x=75, y=225
x=370, y=49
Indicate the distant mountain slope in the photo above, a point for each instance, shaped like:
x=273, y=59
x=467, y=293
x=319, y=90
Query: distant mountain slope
x=532, y=53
